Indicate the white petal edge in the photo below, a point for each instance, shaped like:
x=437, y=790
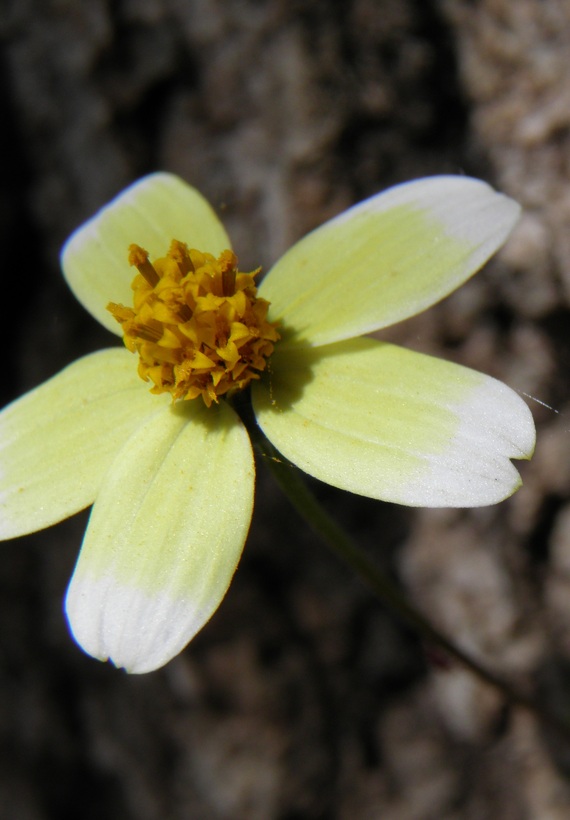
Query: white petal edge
x=151, y=213
x=164, y=539
x=389, y=423
x=387, y=258
x=58, y=441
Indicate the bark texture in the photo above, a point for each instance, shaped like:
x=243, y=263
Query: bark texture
x=302, y=698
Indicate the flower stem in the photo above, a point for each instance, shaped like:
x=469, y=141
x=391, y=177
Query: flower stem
x=306, y=504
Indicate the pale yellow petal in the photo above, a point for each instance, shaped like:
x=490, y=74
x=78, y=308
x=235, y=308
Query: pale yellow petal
x=164, y=538
x=387, y=258
x=57, y=441
x=392, y=424
x=150, y=213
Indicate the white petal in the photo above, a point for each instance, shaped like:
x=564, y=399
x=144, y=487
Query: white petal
x=150, y=213
x=387, y=258
x=58, y=441
x=396, y=425
x=164, y=538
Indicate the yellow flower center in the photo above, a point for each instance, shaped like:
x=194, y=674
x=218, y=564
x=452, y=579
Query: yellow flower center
x=197, y=323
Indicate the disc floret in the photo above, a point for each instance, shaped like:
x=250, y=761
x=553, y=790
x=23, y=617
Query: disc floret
x=197, y=323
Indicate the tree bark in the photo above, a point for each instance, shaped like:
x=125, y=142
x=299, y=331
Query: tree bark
x=302, y=698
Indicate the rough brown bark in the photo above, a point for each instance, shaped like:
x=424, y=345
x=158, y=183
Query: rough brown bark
x=302, y=698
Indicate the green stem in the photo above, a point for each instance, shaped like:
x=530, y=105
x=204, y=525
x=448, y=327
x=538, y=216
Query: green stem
x=295, y=488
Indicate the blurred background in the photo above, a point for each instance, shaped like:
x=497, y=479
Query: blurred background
x=303, y=697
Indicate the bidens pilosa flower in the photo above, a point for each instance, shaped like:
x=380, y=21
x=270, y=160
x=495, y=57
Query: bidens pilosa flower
x=166, y=461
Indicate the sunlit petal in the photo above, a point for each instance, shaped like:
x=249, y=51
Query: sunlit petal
x=387, y=258
x=389, y=423
x=150, y=213
x=57, y=441
x=164, y=538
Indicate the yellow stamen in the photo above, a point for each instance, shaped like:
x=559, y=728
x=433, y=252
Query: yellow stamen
x=227, y=262
x=138, y=258
x=197, y=323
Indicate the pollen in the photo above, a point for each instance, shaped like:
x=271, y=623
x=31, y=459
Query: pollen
x=197, y=324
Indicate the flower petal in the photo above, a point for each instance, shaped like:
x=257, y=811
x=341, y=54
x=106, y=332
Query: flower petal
x=58, y=440
x=151, y=213
x=164, y=538
x=387, y=258
x=385, y=422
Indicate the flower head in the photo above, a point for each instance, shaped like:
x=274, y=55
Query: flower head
x=197, y=324
x=152, y=442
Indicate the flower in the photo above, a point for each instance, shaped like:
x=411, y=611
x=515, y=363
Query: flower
x=171, y=482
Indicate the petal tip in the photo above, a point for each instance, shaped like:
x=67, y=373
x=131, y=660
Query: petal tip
x=118, y=623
